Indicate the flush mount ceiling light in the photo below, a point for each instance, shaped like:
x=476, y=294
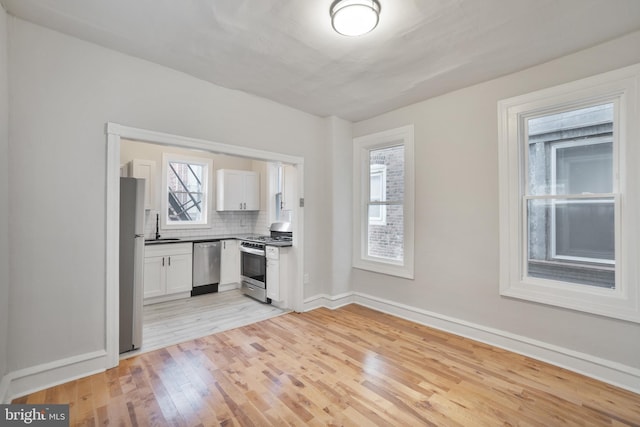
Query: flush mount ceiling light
x=354, y=17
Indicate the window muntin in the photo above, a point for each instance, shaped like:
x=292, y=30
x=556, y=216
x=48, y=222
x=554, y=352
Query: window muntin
x=185, y=191
x=383, y=206
x=596, y=187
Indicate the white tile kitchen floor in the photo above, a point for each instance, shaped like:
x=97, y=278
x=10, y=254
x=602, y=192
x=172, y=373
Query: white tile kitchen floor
x=173, y=322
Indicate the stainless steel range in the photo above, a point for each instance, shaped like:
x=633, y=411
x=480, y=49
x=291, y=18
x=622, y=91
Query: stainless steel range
x=253, y=261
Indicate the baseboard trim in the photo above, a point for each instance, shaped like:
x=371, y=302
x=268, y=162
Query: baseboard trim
x=610, y=372
x=35, y=378
x=328, y=301
x=228, y=287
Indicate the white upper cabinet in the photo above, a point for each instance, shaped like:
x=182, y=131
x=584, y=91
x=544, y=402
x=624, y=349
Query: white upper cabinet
x=146, y=169
x=238, y=190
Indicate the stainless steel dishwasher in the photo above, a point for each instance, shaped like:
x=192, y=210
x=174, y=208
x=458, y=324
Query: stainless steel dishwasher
x=206, y=267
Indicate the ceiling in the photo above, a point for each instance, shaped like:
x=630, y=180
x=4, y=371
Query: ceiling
x=286, y=50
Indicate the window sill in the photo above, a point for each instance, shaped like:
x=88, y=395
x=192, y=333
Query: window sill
x=396, y=270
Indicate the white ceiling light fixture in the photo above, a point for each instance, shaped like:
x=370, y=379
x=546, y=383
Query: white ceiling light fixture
x=354, y=17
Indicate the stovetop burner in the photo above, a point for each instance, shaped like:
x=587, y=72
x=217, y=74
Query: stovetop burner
x=267, y=239
x=280, y=232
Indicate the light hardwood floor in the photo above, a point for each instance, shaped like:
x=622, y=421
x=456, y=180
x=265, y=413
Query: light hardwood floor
x=352, y=366
x=173, y=322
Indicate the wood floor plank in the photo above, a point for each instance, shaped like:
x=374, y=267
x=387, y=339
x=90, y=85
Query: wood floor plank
x=348, y=367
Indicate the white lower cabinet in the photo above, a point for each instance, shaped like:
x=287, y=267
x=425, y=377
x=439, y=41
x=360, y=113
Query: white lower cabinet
x=278, y=277
x=273, y=272
x=167, y=272
x=229, y=263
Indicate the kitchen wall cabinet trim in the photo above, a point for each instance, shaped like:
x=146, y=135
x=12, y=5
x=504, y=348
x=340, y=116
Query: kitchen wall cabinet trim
x=145, y=169
x=167, y=272
x=238, y=190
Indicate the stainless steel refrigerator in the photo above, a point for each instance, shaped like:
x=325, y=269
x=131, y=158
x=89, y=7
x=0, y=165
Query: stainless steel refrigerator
x=131, y=262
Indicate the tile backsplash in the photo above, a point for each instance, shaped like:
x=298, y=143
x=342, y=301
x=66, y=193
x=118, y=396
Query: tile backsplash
x=222, y=223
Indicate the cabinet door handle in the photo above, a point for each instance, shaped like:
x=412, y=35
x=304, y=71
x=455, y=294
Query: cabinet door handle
x=245, y=206
x=163, y=261
x=169, y=261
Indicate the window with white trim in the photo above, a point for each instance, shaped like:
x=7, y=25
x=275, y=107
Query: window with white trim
x=185, y=184
x=569, y=195
x=383, y=202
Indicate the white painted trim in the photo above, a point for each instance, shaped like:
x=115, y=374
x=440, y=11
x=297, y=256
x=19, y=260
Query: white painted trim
x=112, y=252
x=35, y=378
x=161, y=138
x=170, y=297
x=328, y=301
x=600, y=369
x=114, y=133
x=228, y=287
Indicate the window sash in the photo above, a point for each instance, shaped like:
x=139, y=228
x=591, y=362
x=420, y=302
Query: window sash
x=605, y=198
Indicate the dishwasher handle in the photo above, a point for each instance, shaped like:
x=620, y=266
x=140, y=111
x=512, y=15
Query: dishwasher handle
x=206, y=244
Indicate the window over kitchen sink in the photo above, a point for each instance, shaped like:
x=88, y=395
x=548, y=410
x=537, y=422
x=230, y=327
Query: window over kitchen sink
x=186, y=191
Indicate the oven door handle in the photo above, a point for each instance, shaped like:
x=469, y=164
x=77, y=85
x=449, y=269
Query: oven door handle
x=259, y=252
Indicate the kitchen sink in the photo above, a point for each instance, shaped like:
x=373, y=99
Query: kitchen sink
x=162, y=239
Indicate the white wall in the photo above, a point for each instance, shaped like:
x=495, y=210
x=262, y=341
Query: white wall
x=342, y=204
x=62, y=93
x=456, y=240
x=4, y=192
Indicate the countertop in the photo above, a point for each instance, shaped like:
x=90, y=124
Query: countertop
x=199, y=239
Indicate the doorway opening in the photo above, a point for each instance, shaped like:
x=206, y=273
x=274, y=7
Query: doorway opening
x=115, y=136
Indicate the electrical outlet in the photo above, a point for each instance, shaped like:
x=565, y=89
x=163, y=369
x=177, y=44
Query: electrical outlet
x=306, y=278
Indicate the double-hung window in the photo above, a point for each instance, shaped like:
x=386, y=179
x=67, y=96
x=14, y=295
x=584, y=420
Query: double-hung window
x=570, y=195
x=186, y=185
x=383, y=202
